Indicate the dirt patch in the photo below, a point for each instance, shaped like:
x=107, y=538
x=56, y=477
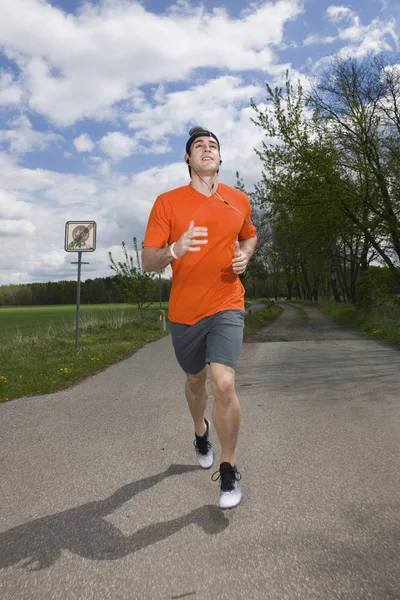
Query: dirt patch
x=290, y=327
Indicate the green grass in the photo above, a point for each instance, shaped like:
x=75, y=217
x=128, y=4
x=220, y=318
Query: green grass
x=262, y=317
x=383, y=324
x=34, y=318
x=37, y=350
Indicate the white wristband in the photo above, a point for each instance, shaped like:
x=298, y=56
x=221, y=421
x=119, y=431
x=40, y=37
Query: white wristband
x=171, y=249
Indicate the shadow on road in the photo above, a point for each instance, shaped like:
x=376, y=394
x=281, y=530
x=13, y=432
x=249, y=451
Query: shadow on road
x=83, y=530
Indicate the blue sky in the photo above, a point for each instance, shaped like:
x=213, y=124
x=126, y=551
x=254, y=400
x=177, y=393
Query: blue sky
x=96, y=99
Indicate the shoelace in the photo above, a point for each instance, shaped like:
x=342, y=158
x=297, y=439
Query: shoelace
x=202, y=445
x=227, y=477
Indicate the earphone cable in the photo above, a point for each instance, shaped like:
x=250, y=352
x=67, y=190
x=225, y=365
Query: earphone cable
x=219, y=197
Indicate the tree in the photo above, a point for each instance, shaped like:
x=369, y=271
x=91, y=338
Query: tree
x=293, y=193
x=331, y=172
x=358, y=101
x=137, y=286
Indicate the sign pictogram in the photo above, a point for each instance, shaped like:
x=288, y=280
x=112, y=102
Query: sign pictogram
x=80, y=236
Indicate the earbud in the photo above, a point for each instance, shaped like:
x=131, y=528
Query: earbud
x=220, y=161
x=187, y=161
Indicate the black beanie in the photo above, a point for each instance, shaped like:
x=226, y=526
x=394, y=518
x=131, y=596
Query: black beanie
x=196, y=132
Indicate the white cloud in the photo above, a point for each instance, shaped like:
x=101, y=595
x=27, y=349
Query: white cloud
x=378, y=36
x=11, y=207
x=117, y=145
x=8, y=276
x=84, y=143
x=52, y=258
x=159, y=147
x=10, y=93
x=315, y=38
x=211, y=103
x=16, y=178
x=15, y=218
x=73, y=191
x=22, y=138
x=79, y=66
x=338, y=13
x=372, y=38
x=16, y=228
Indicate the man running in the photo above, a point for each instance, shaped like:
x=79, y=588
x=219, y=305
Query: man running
x=204, y=231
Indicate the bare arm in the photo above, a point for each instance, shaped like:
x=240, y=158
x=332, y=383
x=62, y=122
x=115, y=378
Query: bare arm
x=249, y=246
x=155, y=259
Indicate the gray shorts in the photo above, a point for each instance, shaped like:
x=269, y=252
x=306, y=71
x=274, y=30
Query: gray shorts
x=214, y=339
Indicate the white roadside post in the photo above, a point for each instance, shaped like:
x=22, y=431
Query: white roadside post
x=161, y=320
x=80, y=236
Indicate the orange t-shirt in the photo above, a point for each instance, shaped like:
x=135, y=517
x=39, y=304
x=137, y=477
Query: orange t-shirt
x=203, y=283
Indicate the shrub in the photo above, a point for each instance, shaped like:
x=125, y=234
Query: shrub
x=365, y=291
x=374, y=286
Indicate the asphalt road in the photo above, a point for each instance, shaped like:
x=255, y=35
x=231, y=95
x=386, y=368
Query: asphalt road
x=101, y=497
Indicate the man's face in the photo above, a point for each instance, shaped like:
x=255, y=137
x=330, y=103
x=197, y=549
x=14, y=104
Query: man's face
x=204, y=155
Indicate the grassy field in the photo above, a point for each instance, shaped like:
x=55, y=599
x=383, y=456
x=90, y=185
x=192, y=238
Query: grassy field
x=35, y=318
x=37, y=349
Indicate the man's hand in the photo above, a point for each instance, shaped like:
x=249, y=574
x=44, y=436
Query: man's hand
x=188, y=242
x=240, y=260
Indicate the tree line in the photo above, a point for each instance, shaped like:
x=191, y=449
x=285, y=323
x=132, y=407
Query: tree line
x=102, y=290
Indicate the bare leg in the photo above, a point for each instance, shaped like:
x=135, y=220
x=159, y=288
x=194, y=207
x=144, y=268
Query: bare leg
x=196, y=396
x=226, y=410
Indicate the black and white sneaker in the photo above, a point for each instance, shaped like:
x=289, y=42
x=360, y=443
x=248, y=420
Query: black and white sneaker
x=204, y=452
x=230, y=493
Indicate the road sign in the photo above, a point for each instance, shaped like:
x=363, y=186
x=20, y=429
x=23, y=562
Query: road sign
x=80, y=236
